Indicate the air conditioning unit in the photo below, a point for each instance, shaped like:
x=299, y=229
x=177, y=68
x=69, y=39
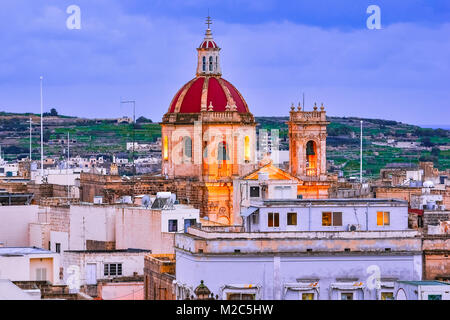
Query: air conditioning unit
x=354, y=227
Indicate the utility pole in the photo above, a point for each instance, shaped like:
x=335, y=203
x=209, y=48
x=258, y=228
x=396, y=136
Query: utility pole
x=67, y=165
x=42, y=133
x=360, y=155
x=31, y=121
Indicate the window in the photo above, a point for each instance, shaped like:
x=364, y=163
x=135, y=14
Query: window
x=254, y=218
x=434, y=297
x=247, y=148
x=273, y=219
x=282, y=192
x=166, y=148
x=292, y=218
x=173, y=225
x=113, y=269
x=241, y=296
x=222, y=153
x=331, y=219
x=254, y=192
x=311, y=158
x=307, y=296
x=210, y=63
x=204, y=64
x=347, y=296
x=58, y=247
x=188, y=147
x=41, y=274
x=387, y=296
x=383, y=218
x=337, y=218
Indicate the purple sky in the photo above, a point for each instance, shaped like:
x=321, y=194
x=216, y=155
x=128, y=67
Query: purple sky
x=145, y=50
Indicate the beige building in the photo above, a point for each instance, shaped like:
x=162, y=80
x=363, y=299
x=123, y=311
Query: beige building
x=29, y=264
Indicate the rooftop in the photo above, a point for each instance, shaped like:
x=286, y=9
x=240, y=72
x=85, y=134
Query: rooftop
x=129, y=250
x=22, y=251
x=426, y=283
x=349, y=201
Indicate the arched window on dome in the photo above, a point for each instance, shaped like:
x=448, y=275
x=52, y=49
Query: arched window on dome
x=222, y=152
x=217, y=63
x=247, y=149
x=211, y=64
x=188, y=147
x=311, y=158
x=204, y=64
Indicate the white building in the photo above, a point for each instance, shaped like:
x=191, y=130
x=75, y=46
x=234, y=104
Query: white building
x=29, y=264
x=422, y=290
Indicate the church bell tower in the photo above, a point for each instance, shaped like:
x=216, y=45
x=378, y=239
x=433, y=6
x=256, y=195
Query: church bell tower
x=307, y=143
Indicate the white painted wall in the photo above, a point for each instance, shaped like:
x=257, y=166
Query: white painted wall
x=14, y=222
x=91, y=223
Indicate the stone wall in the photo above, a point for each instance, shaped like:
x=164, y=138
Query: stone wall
x=100, y=245
x=436, y=250
x=159, y=273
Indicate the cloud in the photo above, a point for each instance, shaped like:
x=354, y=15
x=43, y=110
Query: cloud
x=393, y=73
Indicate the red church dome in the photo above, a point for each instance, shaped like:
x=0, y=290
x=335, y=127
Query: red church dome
x=208, y=44
x=208, y=93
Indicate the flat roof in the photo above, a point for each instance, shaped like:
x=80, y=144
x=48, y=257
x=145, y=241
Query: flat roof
x=21, y=251
x=426, y=283
x=130, y=250
x=336, y=201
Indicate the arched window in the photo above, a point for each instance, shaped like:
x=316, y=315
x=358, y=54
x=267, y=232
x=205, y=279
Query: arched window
x=222, y=152
x=247, y=148
x=166, y=148
x=210, y=63
x=217, y=63
x=188, y=147
x=204, y=64
x=311, y=158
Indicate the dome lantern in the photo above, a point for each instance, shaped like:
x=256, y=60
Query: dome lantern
x=208, y=55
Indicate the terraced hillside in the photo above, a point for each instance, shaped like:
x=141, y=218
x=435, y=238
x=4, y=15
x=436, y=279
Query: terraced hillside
x=107, y=137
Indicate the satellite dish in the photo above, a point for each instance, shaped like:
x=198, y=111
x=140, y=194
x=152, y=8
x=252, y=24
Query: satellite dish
x=146, y=202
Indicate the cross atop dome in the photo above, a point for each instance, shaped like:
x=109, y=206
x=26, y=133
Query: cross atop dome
x=208, y=21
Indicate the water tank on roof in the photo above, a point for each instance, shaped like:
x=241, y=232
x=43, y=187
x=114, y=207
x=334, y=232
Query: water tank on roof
x=431, y=205
x=98, y=200
x=146, y=201
x=428, y=184
x=163, y=194
x=126, y=199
